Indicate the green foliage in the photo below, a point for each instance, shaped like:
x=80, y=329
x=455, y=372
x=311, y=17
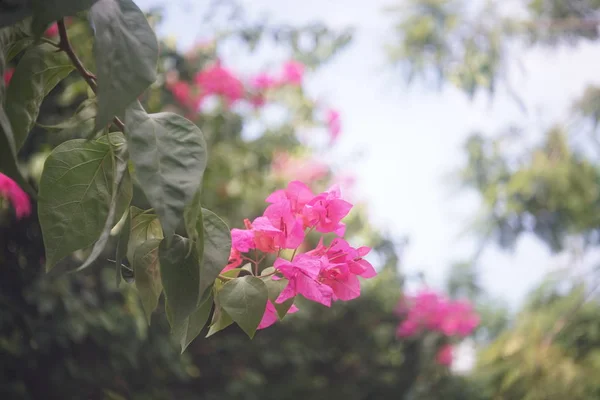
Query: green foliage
x=146, y=270
x=180, y=274
x=126, y=53
x=544, y=356
x=48, y=11
x=217, y=246
x=169, y=156
x=76, y=192
x=38, y=72
x=244, y=300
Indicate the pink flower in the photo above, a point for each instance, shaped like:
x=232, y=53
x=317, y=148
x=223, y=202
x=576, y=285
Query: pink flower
x=326, y=210
x=292, y=74
x=428, y=310
x=345, y=285
x=242, y=240
x=263, y=81
x=282, y=216
x=16, y=195
x=220, y=81
x=408, y=328
x=444, y=355
x=8, y=75
x=270, y=316
x=267, y=237
x=334, y=124
x=52, y=30
x=296, y=193
x=302, y=275
x=235, y=260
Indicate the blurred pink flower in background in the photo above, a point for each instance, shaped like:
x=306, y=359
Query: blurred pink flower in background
x=218, y=80
x=17, y=197
x=293, y=72
x=334, y=124
x=444, y=355
x=52, y=30
x=305, y=170
x=8, y=75
x=263, y=81
x=430, y=311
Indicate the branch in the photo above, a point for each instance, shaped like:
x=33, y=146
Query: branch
x=90, y=78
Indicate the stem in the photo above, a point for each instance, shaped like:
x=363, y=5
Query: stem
x=50, y=42
x=255, y=263
x=90, y=78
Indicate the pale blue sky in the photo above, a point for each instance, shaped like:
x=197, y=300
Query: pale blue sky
x=412, y=137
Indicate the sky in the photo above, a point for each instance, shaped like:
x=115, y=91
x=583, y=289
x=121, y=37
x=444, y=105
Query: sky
x=412, y=137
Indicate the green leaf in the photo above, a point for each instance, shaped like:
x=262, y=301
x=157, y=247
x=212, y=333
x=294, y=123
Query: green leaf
x=275, y=287
x=217, y=246
x=126, y=52
x=40, y=69
x=17, y=47
x=146, y=270
x=47, y=11
x=80, y=125
x=122, y=192
x=220, y=321
x=180, y=274
x=194, y=324
x=169, y=156
x=75, y=194
x=122, y=243
x=245, y=300
x=144, y=226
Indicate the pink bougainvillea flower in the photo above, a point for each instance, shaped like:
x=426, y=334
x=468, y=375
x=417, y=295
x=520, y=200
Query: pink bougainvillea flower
x=408, y=328
x=292, y=74
x=52, y=30
x=326, y=210
x=267, y=237
x=341, y=252
x=8, y=75
x=302, y=275
x=263, y=81
x=243, y=239
x=17, y=197
x=296, y=192
x=428, y=310
x=334, y=124
x=444, y=355
x=281, y=215
x=217, y=80
x=270, y=315
x=235, y=260
x=345, y=285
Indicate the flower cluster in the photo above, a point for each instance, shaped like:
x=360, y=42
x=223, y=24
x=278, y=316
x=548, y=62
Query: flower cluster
x=17, y=197
x=324, y=274
x=216, y=80
x=429, y=311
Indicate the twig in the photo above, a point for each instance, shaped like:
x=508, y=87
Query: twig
x=90, y=78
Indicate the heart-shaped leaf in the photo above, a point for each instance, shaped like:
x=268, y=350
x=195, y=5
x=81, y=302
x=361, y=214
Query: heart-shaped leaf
x=245, y=300
x=75, y=195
